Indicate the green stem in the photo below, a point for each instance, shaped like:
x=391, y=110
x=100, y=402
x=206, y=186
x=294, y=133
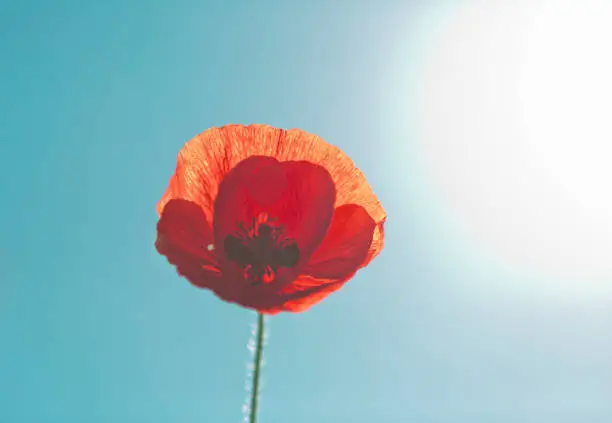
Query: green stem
x=257, y=368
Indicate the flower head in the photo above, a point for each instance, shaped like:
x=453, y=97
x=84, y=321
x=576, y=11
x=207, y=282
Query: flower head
x=271, y=219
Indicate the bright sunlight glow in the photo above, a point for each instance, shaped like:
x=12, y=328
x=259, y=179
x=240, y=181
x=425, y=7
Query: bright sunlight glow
x=514, y=121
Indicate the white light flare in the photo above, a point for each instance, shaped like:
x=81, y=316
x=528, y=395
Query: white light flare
x=514, y=123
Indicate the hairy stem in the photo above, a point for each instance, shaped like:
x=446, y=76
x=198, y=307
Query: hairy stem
x=257, y=368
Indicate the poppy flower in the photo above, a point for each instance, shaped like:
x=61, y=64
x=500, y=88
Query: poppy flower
x=270, y=219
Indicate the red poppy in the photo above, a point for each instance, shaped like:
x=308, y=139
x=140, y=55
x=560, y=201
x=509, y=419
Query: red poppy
x=271, y=219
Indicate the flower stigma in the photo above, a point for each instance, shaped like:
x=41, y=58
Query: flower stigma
x=261, y=249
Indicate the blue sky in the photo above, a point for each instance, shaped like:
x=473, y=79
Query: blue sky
x=99, y=97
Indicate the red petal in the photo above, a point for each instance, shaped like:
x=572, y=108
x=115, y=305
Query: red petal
x=300, y=295
x=184, y=237
x=345, y=246
x=232, y=205
x=299, y=194
x=351, y=185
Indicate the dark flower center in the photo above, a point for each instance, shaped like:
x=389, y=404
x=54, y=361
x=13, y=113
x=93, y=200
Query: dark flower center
x=261, y=249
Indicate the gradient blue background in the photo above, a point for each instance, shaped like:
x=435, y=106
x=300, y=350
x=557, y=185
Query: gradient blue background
x=97, y=100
